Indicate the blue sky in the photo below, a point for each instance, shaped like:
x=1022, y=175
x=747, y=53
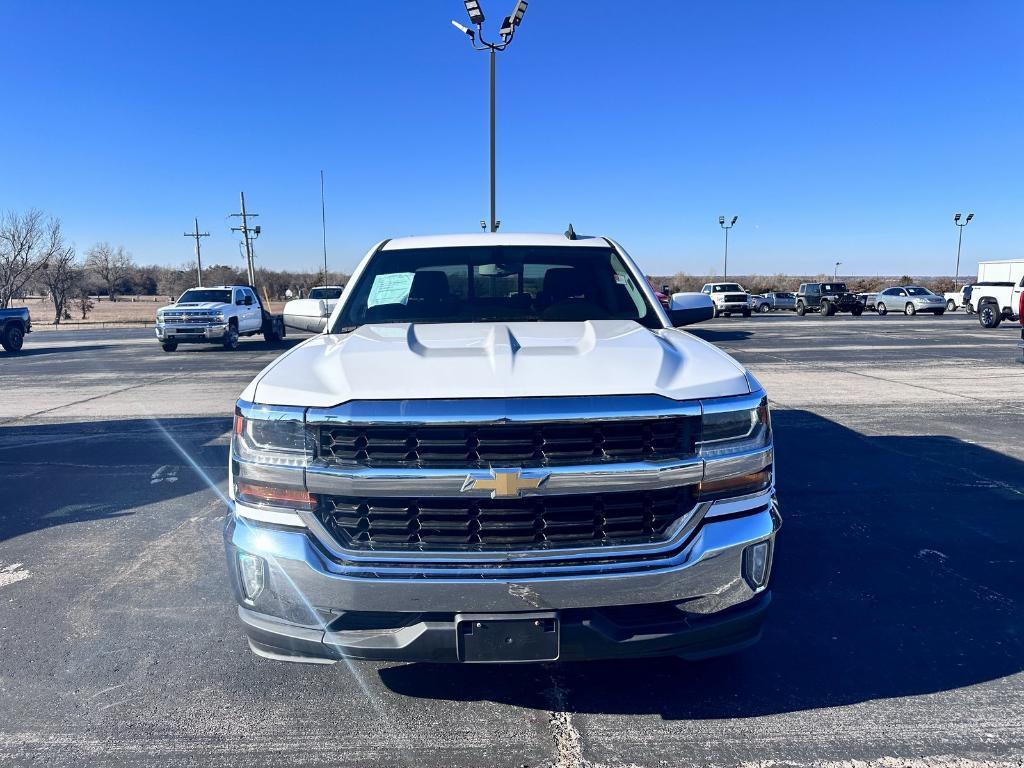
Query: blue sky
x=837, y=131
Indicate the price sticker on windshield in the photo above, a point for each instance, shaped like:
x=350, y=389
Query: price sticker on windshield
x=393, y=288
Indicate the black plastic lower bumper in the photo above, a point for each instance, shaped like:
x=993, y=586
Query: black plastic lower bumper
x=584, y=634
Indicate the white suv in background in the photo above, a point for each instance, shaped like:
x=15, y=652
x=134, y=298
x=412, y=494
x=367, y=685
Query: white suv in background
x=728, y=298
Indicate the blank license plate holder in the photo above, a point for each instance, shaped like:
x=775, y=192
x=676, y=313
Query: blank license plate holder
x=522, y=637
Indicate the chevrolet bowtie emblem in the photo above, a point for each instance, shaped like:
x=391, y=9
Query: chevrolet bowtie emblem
x=504, y=483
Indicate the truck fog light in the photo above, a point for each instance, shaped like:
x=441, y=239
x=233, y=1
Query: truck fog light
x=251, y=569
x=755, y=564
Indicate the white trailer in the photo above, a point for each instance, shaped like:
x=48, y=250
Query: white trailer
x=1003, y=271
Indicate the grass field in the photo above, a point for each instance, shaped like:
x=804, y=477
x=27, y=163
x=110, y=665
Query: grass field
x=104, y=313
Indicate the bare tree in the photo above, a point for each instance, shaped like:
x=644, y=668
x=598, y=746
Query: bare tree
x=111, y=265
x=22, y=252
x=84, y=302
x=59, y=274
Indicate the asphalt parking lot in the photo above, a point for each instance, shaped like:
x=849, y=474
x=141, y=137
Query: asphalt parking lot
x=896, y=634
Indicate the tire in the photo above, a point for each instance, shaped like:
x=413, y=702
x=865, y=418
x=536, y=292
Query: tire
x=764, y=308
x=231, y=338
x=169, y=346
x=989, y=315
x=746, y=313
x=271, y=336
x=858, y=310
x=940, y=312
x=801, y=309
x=827, y=310
x=13, y=339
x=950, y=305
x=910, y=310
x=880, y=308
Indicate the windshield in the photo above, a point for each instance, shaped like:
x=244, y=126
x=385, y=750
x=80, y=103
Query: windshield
x=914, y=290
x=727, y=288
x=325, y=293
x=198, y=295
x=833, y=288
x=494, y=284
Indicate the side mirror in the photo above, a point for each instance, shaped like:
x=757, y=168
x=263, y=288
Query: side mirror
x=690, y=308
x=248, y=301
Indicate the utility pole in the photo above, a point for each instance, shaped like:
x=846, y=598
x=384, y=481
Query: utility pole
x=323, y=222
x=247, y=237
x=199, y=257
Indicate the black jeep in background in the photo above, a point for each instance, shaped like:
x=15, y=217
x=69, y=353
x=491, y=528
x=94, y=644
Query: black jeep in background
x=14, y=324
x=827, y=298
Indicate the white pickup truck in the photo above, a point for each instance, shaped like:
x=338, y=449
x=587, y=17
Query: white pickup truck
x=217, y=315
x=996, y=295
x=311, y=313
x=502, y=448
x=729, y=298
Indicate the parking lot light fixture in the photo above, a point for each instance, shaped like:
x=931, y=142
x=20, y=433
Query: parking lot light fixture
x=835, y=274
x=959, y=243
x=506, y=32
x=476, y=13
x=726, y=227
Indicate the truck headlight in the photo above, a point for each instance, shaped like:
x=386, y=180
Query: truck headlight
x=271, y=437
x=268, y=435
x=725, y=431
x=219, y=317
x=735, y=443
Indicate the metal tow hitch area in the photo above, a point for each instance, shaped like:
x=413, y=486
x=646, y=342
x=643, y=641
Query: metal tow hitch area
x=504, y=637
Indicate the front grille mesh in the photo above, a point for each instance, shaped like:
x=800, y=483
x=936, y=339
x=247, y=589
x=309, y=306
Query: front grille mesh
x=511, y=444
x=535, y=522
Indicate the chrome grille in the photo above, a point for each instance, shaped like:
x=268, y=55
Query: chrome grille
x=535, y=522
x=509, y=444
x=733, y=297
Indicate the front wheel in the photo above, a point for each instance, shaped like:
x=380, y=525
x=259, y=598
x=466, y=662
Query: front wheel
x=764, y=308
x=826, y=309
x=989, y=316
x=950, y=305
x=13, y=339
x=940, y=312
x=231, y=338
x=880, y=309
x=169, y=346
x=746, y=313
x=801, y=309
x=857, y=310
x=909, y=310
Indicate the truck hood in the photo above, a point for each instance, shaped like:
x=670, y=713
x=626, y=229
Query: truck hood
x=497, y=360
x=197, y=305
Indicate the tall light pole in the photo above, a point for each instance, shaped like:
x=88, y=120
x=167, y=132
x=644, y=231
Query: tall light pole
x=323, y=223
x=199, y=256
x=726, y=227
x=959, y=242
x=507, y=31
x=835, y=274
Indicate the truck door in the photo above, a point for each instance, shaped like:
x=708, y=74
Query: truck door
x=254, y=314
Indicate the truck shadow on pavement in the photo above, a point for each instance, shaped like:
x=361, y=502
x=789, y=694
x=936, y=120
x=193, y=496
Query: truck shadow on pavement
x=898, y=573
x=61, y=473
x=33, y=351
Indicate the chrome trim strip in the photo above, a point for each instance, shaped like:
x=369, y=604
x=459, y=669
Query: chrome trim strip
x=273, y=515
x=737, y=464
x=503, y=411
x=583, y=478
x=739, y=403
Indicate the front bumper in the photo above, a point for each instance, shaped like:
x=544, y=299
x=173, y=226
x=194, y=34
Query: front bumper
x=191, y=332
x=733, y=306
x=693, y=601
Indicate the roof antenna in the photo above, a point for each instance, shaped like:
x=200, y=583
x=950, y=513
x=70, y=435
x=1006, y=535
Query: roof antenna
x=570, y=233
